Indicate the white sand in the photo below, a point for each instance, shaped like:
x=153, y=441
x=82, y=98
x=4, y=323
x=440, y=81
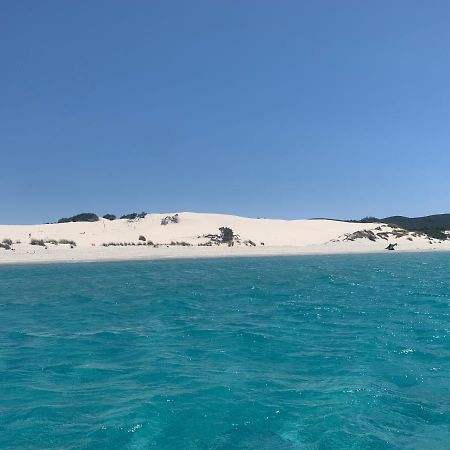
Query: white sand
x=280, y=237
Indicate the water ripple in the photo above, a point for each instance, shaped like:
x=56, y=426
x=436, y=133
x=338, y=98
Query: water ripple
x=330, y=352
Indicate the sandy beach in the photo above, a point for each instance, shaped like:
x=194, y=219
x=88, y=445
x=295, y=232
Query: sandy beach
x=195, y=235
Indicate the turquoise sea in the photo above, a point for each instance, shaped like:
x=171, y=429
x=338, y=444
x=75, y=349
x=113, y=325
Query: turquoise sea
x=311, y=352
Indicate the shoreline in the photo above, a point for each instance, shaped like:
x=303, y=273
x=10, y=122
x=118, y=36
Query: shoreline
x=174, y=254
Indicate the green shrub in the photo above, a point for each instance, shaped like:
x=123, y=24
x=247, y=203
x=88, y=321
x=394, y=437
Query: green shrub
x=133, y=216
x=83, y=217
x=5, y=246
x=7, y=242
x=39, y=242
x=142, y=238
x=170, y=219
x=226, y=235
x=110, y=217
x=182, y=243
x=68, y=241
x=435, y=233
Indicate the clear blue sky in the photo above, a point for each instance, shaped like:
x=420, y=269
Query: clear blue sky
x=262, y=108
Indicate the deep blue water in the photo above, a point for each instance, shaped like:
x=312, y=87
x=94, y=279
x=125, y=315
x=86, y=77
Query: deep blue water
x=323, y=352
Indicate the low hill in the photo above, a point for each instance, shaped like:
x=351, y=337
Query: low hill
x=437, y=221
x=433, y=226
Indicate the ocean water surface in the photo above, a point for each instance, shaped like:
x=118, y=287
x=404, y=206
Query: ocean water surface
x=312, y=352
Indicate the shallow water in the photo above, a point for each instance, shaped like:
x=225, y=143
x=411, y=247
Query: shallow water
x=312, y=352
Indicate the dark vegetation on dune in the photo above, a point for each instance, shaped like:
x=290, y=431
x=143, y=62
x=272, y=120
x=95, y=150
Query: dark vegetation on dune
x=92, y=217
x=170, y=219
x=133, y=216
x=226, y=234
x=433, y=226
x=6, y=244
x=83, y=217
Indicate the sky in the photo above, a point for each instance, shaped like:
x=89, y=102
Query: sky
x=284, y=109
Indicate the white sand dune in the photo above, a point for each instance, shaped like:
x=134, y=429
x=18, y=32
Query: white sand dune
x=272, y=237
